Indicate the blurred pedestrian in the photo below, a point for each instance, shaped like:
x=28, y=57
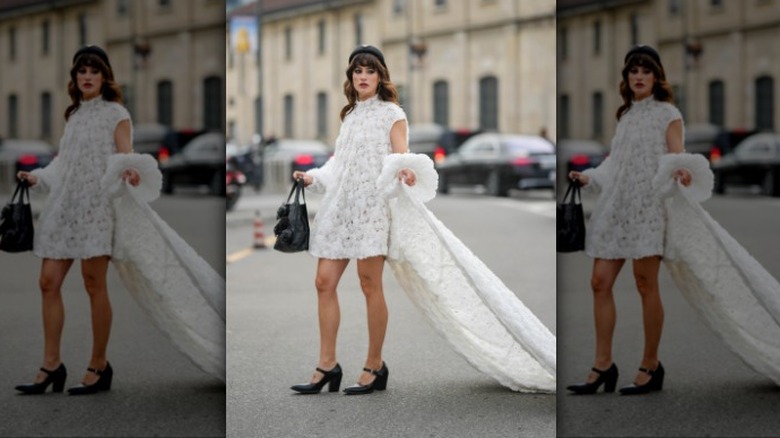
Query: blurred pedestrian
x=353, y=222
x=629, y=220
x=77, y=223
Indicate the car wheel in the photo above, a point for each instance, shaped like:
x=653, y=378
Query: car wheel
x=770, y=184
x=719, y=186
x=444, y=186
x=167, y=183
x=493, y=185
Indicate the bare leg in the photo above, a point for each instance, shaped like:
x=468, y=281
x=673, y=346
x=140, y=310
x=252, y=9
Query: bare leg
x=605, y=273
x=94, y=271
x=328, y=276
x=53, y=274
x=370, y=274
x=646, y=277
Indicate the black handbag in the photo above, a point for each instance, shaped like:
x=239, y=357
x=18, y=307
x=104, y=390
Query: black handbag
x=16, y=221
x=292, y=226
x=570, y=220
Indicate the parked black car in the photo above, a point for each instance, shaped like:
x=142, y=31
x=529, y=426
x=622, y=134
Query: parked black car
x=500, y=162
x=200, y=163
x=580, y=154
x=26, y=155
x=148, y=138
x=755, y=161
x=725, y=142
x=301, y=154
x=174, y=141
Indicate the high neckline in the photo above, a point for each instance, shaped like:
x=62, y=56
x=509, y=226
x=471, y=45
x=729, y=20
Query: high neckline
x=371, y=99
x=644, y=101
x=92, y=101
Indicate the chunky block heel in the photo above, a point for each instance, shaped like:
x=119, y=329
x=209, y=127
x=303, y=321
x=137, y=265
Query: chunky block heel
x=379, y=383
x=332, y=378
x=608, y=377
x=56, y=378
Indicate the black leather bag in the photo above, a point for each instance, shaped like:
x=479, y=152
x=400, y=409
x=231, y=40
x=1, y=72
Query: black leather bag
x=292, y=226
x=570, y=219
x=16, y=221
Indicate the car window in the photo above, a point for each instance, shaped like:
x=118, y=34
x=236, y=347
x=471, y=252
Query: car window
x=759, y=148
x=479, y=148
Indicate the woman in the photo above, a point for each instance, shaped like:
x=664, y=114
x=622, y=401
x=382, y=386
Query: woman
x=629, y=220
x=78, y=221
x=353, y=222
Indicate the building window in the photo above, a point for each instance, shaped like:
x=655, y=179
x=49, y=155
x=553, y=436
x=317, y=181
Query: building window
x=321, y=26
x=398, y=7
x=598, y=114
x=322, y=115
x=288, y=116
x=716, y=3
x=634, y=23
x=13, y=116
x=12, y=43
x=45, y=37
x=288, y=43
x=213, y=102
x=563, y=43
x=717, y=104
x=121, y=7
x=164, y=3
x=563, y=116
x=674, y=7
x=165, y=103
x=82, y=29
x=765, y=103
x=597, y=37
x=46, y=115
x=488, y=103
x=358, y=29
x=440, y=3
x=441, y=104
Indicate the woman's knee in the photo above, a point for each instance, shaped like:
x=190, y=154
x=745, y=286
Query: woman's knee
x=325, y=284
x=50, y=284
x=370, y=283
x=601, y=284
x=94, y=283
x=646, y=284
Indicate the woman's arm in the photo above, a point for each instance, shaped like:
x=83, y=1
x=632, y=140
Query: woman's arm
x=124, y=145
x=400, y=145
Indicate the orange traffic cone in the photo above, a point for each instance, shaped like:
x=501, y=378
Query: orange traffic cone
x=258, y=231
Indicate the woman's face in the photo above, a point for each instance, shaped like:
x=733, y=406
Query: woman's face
x=366, y=81
x=640, y=81
x=89, y=81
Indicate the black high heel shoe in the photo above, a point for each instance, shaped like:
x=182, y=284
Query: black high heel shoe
x=103, y=383
x=56, y=378
x=379, y=383
x=332, y=377
x=608, y=377
x=655, y=383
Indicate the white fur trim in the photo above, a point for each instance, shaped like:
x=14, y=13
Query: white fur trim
x=151, y=178
x=702, y=178
x=427, y=179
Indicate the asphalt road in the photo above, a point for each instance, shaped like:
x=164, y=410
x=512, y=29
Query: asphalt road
x=708, y=391
x=432, y=392
x=156, y=391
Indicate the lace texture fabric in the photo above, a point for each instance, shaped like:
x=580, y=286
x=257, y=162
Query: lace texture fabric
x=77, y=221
x=629, y=219
x=737, y=298
x=462, y=299
x=353, y=221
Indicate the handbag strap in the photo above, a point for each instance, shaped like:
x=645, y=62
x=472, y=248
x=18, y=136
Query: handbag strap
x=574, y=190
x=298, y=189
x=24, y=186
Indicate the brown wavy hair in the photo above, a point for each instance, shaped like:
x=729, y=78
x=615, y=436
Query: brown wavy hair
x=662, y=90
x=110, y=89
x=386, y=89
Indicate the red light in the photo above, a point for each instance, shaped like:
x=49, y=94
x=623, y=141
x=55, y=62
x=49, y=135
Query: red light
x=521, y=161
x=304, y=160
x=28, y=160
x=715, y=154
x=579, y=160
x=439, y=154
x=163, y=155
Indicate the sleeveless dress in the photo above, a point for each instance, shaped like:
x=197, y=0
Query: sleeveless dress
x=78, y=221
x=353, y=221
x=629, y=220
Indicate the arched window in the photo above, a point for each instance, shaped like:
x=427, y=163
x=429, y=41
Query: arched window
x=765, y=103
x=46, y=115
x=717, y=103
x=441, y=103
x=598, y=114
x=165, y=103
x=289, y=111
x=213, y=101
x=488, y=103
x=322, y=115
x=563, y=116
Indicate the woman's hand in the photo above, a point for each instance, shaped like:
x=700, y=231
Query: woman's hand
x=408, y=176
x=579, y=177
x=307, y=179
x=683, y=176
x=132, y=176
x=27, y=176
